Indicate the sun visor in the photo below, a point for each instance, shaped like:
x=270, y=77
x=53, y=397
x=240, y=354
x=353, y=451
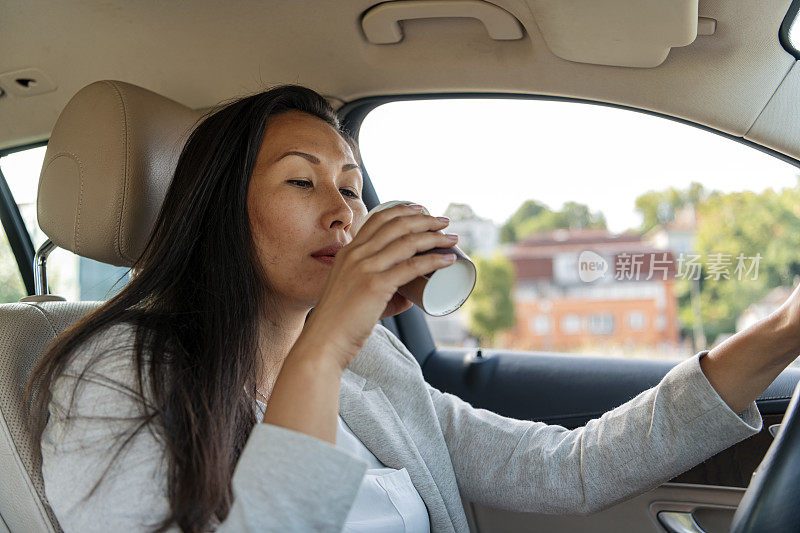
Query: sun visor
x=616, y=32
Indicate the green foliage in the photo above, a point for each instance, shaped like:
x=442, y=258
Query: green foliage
x=747, y=223
x=767, y=224
x=659, y=207
x=491, y=307
x=533, y=216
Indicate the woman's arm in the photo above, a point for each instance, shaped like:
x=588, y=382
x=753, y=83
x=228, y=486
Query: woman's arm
x=305, y=397
x=528, y=466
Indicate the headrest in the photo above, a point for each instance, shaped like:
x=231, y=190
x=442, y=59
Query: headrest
x=109, y=161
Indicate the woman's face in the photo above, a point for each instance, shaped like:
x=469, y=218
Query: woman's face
x=304, y=195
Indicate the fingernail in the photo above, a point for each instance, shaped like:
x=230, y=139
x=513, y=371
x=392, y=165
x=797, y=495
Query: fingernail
x=451, y=236
x=414, y=206
x=443, y=219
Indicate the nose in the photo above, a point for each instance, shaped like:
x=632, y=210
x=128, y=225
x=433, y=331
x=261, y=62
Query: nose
x=337, y=213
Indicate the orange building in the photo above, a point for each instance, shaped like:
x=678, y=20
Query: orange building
x=578, y=288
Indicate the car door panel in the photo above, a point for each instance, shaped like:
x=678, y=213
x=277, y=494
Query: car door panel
x=567, y=390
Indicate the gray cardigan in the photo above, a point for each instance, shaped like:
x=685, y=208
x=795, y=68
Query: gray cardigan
x=289, y=481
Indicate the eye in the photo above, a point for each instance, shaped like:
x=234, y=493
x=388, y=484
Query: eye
x=303, y=183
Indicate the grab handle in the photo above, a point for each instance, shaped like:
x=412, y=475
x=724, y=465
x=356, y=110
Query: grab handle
x=381, y=24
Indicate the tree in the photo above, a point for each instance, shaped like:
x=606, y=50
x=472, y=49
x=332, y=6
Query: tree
x=659, y=207
x=747, y=223
x=767, y=224
x=533, y=216
x=490, y=307
x=528, y=210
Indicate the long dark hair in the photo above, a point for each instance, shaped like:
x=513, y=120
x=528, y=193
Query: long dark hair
x=196, y=299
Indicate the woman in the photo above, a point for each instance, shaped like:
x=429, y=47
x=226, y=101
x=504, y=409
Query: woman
x=150, y=407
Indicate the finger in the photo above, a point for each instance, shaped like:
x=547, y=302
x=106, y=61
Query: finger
x=407, y=246
x=397, y=228
x=377, y=220
x=416, y=266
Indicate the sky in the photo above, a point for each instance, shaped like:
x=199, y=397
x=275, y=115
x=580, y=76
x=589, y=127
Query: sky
x=495, y=154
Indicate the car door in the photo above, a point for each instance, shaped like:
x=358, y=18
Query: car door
x=576, y=348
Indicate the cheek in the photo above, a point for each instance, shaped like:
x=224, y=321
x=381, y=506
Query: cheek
x=275, y=226
x=359, y=214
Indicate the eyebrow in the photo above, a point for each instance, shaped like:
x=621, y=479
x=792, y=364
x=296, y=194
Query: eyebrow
x=314, y=159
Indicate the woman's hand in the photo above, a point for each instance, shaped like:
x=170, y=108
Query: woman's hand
x=790, y=313
x=396, y=305
x=362, y=286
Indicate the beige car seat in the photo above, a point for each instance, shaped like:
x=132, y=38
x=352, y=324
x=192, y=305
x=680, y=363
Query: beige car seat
x=108, y=164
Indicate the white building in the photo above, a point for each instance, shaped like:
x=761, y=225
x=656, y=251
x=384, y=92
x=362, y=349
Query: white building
x=476, y=235
x=677, y=235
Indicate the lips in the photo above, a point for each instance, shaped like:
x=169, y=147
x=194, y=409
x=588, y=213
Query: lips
x=329, y=251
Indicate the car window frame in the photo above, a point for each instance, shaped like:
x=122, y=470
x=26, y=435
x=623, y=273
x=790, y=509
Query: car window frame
x=786, y=25
x=19, y=238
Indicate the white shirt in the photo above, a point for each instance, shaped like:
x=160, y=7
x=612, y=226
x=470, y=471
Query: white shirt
x=387, y=501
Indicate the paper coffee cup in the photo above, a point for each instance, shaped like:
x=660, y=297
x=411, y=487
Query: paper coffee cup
x=442, y=291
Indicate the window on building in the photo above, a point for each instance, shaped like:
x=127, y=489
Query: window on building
x=540, y=324
x=571, y=324
x=601, y=324
x=637, y=320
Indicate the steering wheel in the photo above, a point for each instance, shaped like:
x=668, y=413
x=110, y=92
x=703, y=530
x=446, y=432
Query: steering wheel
x=771, y=502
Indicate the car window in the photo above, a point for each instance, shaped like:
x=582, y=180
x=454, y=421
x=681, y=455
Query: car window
x=11, y=286
x=68, y=275
x=595, y=229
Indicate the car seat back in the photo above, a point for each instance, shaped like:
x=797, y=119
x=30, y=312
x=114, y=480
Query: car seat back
x=109, y=161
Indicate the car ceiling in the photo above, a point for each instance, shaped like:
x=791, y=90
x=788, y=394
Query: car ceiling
x=738, y=80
